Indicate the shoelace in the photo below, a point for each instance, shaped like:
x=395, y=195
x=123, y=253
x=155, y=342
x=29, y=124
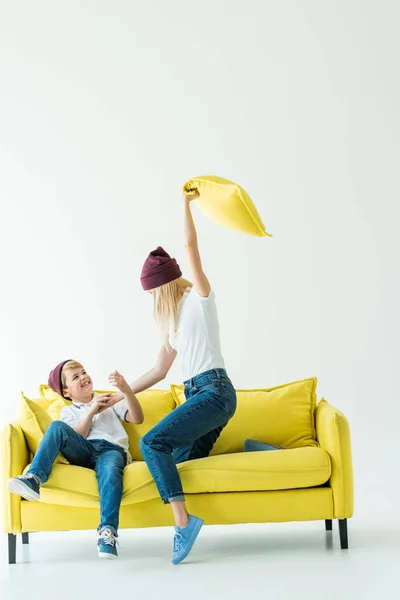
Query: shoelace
x=177, y=541
x=109, y=538
x=29, y=476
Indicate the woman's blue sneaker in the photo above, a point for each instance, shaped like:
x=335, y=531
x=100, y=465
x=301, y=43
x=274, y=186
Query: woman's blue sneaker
x=185, y=538
x=107, y=544
x=25, y=486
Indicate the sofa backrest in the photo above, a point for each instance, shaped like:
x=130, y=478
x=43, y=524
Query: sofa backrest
x=281, y=416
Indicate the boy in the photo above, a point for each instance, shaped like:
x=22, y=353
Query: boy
x=90, y=434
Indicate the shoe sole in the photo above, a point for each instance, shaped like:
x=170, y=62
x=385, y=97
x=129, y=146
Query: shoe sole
x=19, y=487
x=107, y=556
x=191, y=541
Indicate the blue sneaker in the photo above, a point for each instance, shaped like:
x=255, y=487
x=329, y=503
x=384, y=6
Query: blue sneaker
x=107, y=544
x=185, y=538
x=26, y=486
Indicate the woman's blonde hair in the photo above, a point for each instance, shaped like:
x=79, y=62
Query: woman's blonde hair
x=166, y=305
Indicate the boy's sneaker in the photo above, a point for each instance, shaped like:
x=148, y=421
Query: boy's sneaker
x=185, y=538
x=26, y=486
x=107, y=544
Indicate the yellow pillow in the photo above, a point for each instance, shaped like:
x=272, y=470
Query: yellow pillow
x=55, y=408
x=34, y=421
x=50, y=396
x=156, y=405
x=281, y=416
x=227, y=204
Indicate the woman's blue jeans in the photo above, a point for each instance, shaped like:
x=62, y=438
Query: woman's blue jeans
x=190, y=431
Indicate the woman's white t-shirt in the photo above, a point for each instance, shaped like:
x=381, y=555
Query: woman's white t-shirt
x=197, y=337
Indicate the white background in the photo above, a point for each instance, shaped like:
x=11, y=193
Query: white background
x=106, y=108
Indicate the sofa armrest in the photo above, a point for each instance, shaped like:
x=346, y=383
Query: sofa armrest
x=333, y=435
x=15, y=455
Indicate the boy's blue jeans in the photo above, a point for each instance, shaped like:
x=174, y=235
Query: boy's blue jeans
x=189, y=431
x=108, y=460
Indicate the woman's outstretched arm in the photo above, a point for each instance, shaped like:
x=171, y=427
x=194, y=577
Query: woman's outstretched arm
x=200, y=281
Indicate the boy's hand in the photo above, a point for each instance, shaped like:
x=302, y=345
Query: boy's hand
x=114, y=399
x=118, y=381
x=99, y=403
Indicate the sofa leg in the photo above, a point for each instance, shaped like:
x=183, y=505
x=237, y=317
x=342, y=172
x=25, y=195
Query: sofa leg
x=12, y=549
x=344, y=543
x=25, y=538
x=328, y=524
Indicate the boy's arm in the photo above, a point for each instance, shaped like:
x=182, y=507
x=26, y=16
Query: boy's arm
x=135, y=412
x=85, y=426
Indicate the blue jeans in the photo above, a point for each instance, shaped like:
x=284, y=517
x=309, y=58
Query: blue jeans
x=108, y=460
x=190, y=431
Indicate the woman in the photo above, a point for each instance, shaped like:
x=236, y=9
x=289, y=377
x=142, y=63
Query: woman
x=187, y=317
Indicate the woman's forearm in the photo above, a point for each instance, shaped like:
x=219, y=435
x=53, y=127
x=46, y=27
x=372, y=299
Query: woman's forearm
x=147, y=381
x=190, y=234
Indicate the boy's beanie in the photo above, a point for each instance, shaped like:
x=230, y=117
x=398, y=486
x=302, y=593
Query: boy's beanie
x=55, y=381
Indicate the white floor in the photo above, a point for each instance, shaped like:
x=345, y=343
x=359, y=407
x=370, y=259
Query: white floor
x=277, y=561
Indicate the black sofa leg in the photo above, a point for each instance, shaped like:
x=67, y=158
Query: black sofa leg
x=344, y=542
x=328, y=524
x=25, y=538
x=12, y=549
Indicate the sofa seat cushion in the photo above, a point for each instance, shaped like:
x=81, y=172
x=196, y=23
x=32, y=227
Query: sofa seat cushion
x=245, y=471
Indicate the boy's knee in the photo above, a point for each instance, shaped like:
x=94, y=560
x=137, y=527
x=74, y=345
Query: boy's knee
x=57, y=426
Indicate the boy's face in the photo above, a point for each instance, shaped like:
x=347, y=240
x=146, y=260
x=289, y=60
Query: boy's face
x=79, y=385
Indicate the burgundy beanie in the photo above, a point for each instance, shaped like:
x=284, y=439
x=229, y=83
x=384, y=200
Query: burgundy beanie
x=55, y=381
x=158, y=269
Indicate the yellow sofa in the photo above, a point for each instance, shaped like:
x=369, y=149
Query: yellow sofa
x=310, y=479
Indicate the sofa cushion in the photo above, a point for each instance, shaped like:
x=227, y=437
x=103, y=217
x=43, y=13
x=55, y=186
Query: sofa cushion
x=255, y=471
x=227, y=204
x=34, y=421
x=280, y=416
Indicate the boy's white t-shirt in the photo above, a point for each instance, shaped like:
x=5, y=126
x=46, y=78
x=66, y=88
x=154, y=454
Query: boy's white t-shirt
x=105, y=425
x=197, y=337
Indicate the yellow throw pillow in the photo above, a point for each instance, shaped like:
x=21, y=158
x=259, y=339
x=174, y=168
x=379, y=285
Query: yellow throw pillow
x=227, y=204
x=50, y=396
x=281, y=416
x=55, y=408
x=34, y=421
x=156, y=405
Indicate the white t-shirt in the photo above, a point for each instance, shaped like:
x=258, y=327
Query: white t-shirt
x=105, y=425
x=197, y=337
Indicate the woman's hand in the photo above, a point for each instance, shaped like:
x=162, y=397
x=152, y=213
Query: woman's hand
x=192, y=196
